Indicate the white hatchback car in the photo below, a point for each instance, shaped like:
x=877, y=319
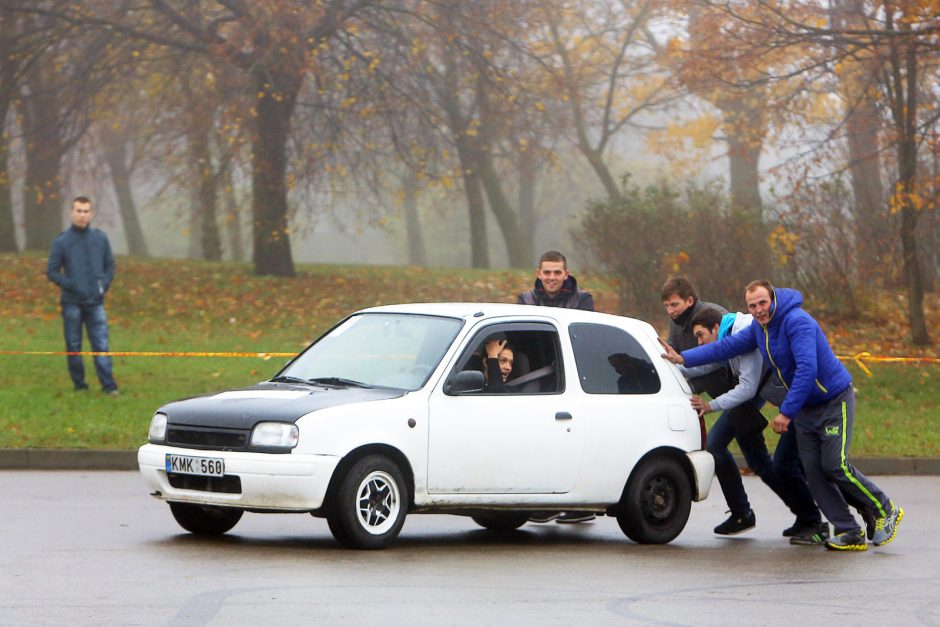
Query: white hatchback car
x=388, y=414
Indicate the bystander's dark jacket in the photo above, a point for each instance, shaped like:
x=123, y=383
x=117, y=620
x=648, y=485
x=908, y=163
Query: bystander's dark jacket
x=680, y=330
x=570, y=296
x=82, y=265
x=720, y=379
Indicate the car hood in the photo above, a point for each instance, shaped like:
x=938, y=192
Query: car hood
x=244, y=408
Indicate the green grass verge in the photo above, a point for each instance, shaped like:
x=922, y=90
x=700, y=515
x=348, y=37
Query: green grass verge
x=897, y=412
x=166, y=305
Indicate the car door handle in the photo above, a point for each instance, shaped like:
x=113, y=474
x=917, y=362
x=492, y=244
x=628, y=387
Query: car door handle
x=562, y=415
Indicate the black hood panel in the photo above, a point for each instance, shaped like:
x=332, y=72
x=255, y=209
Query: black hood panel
x=277, y=402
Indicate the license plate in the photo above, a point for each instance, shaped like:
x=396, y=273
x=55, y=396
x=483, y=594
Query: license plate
x=188, y=465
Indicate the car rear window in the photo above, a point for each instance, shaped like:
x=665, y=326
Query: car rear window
x=611, y=361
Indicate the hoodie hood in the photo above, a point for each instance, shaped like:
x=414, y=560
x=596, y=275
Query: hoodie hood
x=727, y=323
x=568, y=287
x=785, y=300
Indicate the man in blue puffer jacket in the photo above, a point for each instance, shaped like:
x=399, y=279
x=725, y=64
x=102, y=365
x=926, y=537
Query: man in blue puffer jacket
x=820, y=404
x=82, y=265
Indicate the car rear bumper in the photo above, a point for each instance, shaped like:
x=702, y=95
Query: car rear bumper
x=252, y=480
x=703, y=470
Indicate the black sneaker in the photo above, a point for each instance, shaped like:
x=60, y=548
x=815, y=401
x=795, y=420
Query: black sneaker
x=798, y=527
x=811, y=534
x=847, y=541
x=543, y=517
x=568, y=518
x=737, y=524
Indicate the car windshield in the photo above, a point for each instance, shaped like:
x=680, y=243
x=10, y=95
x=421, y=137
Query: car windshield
x=387, y=350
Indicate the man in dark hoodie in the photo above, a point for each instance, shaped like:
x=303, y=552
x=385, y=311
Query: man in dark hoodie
x=555, y=287
x=819, y=404
x=82, y=265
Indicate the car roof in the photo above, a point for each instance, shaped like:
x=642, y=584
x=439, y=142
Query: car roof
x=475, y=312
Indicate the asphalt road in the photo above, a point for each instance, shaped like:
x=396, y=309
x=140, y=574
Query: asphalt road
x=91, y=548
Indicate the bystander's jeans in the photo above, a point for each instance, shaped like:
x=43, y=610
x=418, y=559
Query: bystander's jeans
x=95, y=320
x=783, y=474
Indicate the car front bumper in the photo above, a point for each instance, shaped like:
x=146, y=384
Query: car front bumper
x=285, y=482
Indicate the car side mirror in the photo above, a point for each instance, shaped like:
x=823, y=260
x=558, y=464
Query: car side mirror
x=465, y=381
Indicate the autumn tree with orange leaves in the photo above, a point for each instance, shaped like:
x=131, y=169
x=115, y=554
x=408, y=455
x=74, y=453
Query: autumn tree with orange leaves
x=899, y=42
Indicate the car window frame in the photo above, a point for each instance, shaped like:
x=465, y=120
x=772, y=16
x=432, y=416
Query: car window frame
x=492, y=327
x=573, y=327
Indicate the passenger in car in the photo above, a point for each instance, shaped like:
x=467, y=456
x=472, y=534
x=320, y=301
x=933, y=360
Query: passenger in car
x=635, y=375
x=498, y=364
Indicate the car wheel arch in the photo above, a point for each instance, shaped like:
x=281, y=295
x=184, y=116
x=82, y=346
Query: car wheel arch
x=386, y=450
x=669, y=452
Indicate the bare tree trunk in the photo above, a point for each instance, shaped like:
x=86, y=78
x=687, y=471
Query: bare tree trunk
x=7, y=92
x=518, y=247
x=862, y=128
x=417, y=256
x=209, y=240
x=7, y=225
x=270, y=234
x=904, y=73
x=593, y=154
x=42, y=200
x=744, y=130
x=194, y=226
x=115, y=153
x=870, y=220
x=527, y=180
x=473, y=189
x=233, y=229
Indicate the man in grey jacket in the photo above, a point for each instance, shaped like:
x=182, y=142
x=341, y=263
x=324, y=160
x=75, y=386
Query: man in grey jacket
x=82, y=265
x=741, y=420
x=681, y=300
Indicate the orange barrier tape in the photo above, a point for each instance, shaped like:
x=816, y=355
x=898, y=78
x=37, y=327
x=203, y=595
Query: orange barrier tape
x=149, y=354
x=859, y=358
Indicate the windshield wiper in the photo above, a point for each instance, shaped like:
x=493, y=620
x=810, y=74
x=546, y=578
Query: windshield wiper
x=340, y=382
x=288, y=379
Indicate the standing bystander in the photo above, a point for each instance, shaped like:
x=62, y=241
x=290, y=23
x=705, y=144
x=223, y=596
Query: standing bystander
x=556, y=287
x=82, y=265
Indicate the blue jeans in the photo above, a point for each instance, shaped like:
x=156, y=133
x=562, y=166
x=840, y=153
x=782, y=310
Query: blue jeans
x=96, y=324
x=784, y=474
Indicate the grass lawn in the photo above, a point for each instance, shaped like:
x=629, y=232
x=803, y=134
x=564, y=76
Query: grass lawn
x=183, y=306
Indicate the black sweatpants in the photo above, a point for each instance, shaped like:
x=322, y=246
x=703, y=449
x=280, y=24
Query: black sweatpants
x=824, y=433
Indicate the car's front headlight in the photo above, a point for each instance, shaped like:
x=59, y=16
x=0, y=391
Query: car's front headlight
x=157, y=428
x=275, y=435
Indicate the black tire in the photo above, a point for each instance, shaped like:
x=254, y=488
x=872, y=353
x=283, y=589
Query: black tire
x=206, y=520
x=501, y=521
x=369, y=504
x=656, y=503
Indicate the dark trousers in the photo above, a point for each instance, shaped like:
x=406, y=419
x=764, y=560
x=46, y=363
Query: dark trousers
x=783, y=474
x=824, y=433
x=95, y=321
